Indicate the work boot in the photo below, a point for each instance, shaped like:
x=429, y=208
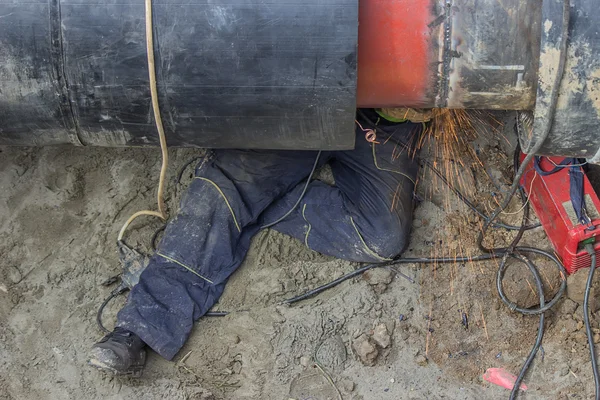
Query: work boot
x=121, y=352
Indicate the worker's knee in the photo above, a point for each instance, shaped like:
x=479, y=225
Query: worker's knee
x=393, y=242
x=389, y=236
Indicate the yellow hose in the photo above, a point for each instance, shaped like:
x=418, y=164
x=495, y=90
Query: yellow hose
x=161, y=213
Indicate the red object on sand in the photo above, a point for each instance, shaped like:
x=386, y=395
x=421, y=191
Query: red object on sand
x=501, y=377
x=550, y=197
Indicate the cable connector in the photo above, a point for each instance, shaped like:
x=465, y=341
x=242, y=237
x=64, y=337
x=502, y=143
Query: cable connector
x=589, y=245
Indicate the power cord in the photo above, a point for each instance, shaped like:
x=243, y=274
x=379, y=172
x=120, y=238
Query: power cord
x=312, y=172
x=161, y=213
x=589, y=247
x=472, y=206
x=122, y=288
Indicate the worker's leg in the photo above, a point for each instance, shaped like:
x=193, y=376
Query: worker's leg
x=367, y=215
x=206, y=241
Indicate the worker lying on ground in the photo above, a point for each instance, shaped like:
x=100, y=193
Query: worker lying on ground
x=365, y=217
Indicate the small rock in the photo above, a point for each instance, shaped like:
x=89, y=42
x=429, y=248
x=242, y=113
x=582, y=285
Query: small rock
x=14, y=275
x=365, y=349
x=421, y=360
x=281, y=363
x=379, y=289
x=576, y=284
x=278, y=318
x=568, y=307
x=378, y=276
x=381, y=336
x=569, y=326
x=347, y=385
x=236, y=367
x=234, y=339
x=332, y=352
x=564, y=370
x=305, y=361
x=596, y=338
x=289, y=285
x=579, y=325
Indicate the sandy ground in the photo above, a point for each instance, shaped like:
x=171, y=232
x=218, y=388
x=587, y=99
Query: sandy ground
x=61, y=209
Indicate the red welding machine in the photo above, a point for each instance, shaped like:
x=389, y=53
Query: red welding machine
x=567, y=206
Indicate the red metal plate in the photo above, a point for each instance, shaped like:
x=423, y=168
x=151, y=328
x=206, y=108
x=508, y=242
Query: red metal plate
x=394, y=52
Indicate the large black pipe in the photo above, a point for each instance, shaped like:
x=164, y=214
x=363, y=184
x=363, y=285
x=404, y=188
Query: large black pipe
x=243, y=73
x=282, y=74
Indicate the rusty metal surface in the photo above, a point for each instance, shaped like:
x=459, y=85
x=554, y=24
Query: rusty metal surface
x=575, y=129
x=449, y=53
x=492, y=54
x=395, y=53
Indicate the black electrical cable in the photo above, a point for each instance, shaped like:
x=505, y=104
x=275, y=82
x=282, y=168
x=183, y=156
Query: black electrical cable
x=548, y=120
x=538, y=282
x=184, y=167
x=510, y=251
x=216, y=314
x=586, y=318
x=472, y=206
x=153, y=241
x=112, y=295
x=540, y=335
x=439, y=260
x=308, y=180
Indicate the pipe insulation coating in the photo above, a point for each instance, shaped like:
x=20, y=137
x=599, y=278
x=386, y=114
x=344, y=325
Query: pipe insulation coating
x=283, y=74
x=230, y=73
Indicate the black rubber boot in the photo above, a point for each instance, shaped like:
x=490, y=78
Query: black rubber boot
x=121, y=352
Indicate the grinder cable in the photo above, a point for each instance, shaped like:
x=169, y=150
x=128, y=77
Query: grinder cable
x=586, y=317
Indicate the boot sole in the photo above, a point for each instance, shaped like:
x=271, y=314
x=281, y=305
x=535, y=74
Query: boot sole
x=132, y=372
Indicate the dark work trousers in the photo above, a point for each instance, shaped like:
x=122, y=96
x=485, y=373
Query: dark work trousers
x=365, y=217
